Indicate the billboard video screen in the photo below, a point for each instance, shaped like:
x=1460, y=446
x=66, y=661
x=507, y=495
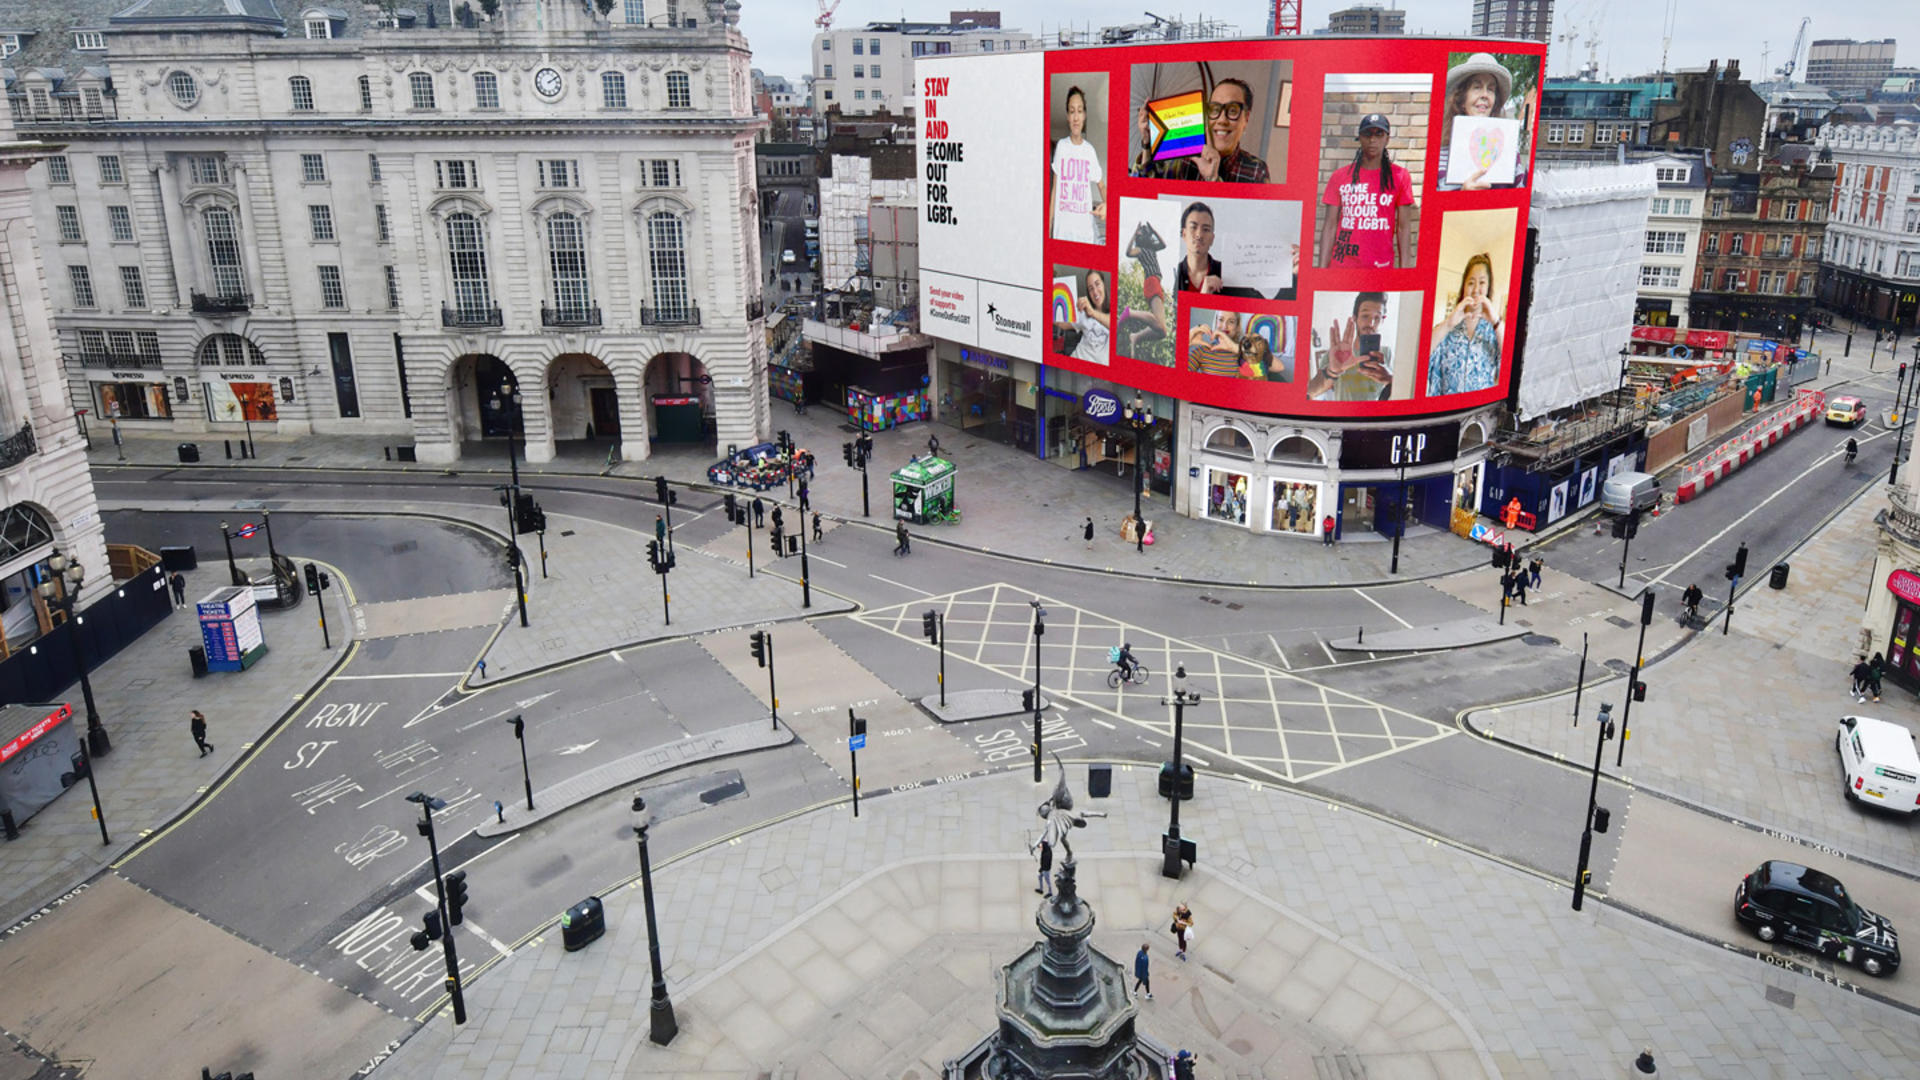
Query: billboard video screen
x=1304, y=227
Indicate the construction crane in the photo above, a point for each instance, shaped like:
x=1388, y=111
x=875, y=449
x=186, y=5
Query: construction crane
x=1286, y=18
x=825, y=19
x=1793, y=58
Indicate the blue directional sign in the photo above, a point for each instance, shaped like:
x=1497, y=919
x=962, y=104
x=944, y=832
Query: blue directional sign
x=857, y=742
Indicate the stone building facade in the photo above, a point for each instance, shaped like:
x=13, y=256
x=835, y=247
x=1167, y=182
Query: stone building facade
x=404, y=221
x=1872, y=258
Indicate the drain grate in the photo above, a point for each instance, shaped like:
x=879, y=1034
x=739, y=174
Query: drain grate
x=1235, y=607
x=1539, y=639
x=1616, y=620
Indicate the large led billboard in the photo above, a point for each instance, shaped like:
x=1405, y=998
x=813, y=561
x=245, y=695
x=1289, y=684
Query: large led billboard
x=1308, y=227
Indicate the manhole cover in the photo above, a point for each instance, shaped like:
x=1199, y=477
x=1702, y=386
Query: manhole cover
x=1782, y=998
x=1620, y=622
x=1235, y=607
x=1539, y=639
x=566, y=532
x=1619, y=665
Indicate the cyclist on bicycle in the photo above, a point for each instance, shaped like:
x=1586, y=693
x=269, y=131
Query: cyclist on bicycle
x=1691, y=598
x=1853, y=448
x=1125, y=661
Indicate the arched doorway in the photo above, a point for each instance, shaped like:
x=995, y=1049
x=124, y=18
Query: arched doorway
x=679, y=396
x=479, y=390
x=581, y=399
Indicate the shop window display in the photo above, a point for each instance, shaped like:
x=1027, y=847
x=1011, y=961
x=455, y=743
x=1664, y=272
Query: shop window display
x=1296, y=507
x=1227, y=496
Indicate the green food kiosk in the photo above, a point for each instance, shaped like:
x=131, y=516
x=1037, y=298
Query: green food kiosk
x=923, y=490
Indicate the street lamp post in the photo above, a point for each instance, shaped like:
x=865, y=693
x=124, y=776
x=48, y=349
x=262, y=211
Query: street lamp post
x=1593, y=794
x=1139, y=418
x=71, y=575
x=662, y=1027
x=1400, y=525
x=507, y=402
x=1170, y=846
x=1039, y=631
x=428, y=804
x=526, y=775
x=233, y=568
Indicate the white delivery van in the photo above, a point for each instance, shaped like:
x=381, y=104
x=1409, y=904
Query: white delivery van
x=1879, y=763
x=1623, y=493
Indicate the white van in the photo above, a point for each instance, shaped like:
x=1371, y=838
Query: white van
x=1623, y=493
x=1879, y=763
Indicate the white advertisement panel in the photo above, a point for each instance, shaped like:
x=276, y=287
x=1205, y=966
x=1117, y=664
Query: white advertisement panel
x=982, y=200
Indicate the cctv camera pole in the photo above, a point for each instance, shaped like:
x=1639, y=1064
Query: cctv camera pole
x=1633, y=679
x=1593, y=795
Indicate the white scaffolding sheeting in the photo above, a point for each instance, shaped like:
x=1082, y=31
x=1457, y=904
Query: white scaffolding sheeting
x=1593, y=224
x=846, y=197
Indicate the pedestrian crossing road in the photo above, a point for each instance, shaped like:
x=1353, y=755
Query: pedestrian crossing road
x=1268, y=721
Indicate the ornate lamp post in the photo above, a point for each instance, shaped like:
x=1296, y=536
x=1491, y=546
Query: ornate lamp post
x=71, y=574
x=1138, y=417
x=1171, y=847
x=663, y=1027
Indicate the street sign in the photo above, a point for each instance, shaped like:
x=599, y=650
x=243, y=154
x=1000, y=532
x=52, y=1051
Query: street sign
x=857, y=742
x=245, y=532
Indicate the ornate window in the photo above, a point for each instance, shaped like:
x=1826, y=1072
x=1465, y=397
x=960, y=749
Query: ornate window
x=667, y=261
x=1230, y=441
x=613, y=90
x=679, y=90
x=567, y=256
x=229, y=349
x=184, y=91
x=486, y=90
x=223, y=252
x=467, y=257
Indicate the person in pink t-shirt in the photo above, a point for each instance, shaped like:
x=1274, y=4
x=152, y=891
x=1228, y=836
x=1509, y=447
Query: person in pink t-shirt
x=1360, y=220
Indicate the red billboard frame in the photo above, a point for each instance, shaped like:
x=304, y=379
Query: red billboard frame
x=1312, y=60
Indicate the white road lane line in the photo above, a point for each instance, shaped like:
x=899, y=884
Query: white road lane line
x=1736, y=522
x=897, y=585
x=1280, y=652
x=406, y=675
x=1403, y=623
x=824, y=559
x=1331, y=659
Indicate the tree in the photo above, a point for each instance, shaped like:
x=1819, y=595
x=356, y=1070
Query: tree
x=491, y=7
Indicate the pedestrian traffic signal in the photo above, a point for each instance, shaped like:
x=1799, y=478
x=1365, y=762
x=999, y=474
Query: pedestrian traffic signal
x=1646, y=608
x=793, y=544
x=1639, y=691
x=430, y=933
x=519, y=728
x=930, y=627
x=1026, y=699
x=779, y=550
x=846, y=451
x=1740, y=562
x=757, y=642
x=1601, y=817
x=653, y=555
x=533, y=519
x=456, y=896
x=730, y=501
x=660, y=491
x=313, y=580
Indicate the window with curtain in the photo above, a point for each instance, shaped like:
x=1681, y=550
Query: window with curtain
x=223, y=252
x=567, y=256
x=467, y=254
x=667, y=261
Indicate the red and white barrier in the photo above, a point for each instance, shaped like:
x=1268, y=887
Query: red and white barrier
x=1744, y=447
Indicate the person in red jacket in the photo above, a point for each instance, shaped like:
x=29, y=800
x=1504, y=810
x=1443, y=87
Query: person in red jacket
x=1326, y=530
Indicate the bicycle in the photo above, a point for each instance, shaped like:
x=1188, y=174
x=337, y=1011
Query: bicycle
x=944, y=517
x=1138, y=678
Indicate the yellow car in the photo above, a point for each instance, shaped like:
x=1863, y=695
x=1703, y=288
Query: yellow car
x=1846, y=410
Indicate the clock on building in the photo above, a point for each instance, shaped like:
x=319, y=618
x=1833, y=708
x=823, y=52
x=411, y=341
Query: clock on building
x=548, y=83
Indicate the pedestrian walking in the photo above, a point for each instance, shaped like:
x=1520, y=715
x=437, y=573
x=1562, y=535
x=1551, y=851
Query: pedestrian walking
x=1533, y=571
x=480, y=667
x=933, y=445
x=1326, y=530
x=198, y=725
x=179, y=583
x=759, y=513
x=660, y=528
x=1506, y=585
x=1141, y=979
x=1862, y=674
x=1876, y=669
x=1087, y=533
x=1045, y=850
x=903, y=543
x=1182, y=929
x=816, y=526
x=803, y=497
x=1520, y=588
x=1183, y=1065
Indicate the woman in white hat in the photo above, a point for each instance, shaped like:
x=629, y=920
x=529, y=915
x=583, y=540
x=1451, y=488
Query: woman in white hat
x=1478, y=87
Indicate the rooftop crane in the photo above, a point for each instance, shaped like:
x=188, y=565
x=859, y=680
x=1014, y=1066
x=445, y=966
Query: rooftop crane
x=1793, y=58
x=825, y=19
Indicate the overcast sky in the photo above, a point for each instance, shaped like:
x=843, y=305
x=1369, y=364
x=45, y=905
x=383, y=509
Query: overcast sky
x=1629, y=31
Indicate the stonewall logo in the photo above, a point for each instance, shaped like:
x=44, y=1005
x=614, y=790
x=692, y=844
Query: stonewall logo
x=1022, y=327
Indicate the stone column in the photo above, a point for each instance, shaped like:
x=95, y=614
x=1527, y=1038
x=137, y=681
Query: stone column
x=250, y=233
x=179, y=240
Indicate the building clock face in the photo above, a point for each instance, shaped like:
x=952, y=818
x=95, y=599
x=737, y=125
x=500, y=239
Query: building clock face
x=547, y=83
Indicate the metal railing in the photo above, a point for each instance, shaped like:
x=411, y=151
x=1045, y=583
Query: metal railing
x=1903, y=519
x=18, y=447
x=230, y=304
x=565, y=317
x=756, y=309
x=686, y=315
x=470, y=316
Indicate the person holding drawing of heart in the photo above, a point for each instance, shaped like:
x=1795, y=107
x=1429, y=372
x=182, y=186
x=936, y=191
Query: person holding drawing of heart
x=1479, y=86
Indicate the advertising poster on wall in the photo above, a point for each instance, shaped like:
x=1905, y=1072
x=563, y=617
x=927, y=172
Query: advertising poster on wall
x=1356, y=268
x=236, y=401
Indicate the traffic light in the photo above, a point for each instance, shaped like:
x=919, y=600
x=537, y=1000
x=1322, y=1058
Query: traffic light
x=730, y=502
x=846, y=451
x=313, y=580
x=1738, y=567
x=793, y=544
x=1646, y=608
x=1601, y=817
x=757, y=642
x=653, y=555
x=519, y=728
x=456, y=895
x=533, y=519
x=930, y=627
x=660, y=492
x=1639, y=691
x=779, y=550
x=1627, y=526
x=1026, y=699
x=430, y=933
